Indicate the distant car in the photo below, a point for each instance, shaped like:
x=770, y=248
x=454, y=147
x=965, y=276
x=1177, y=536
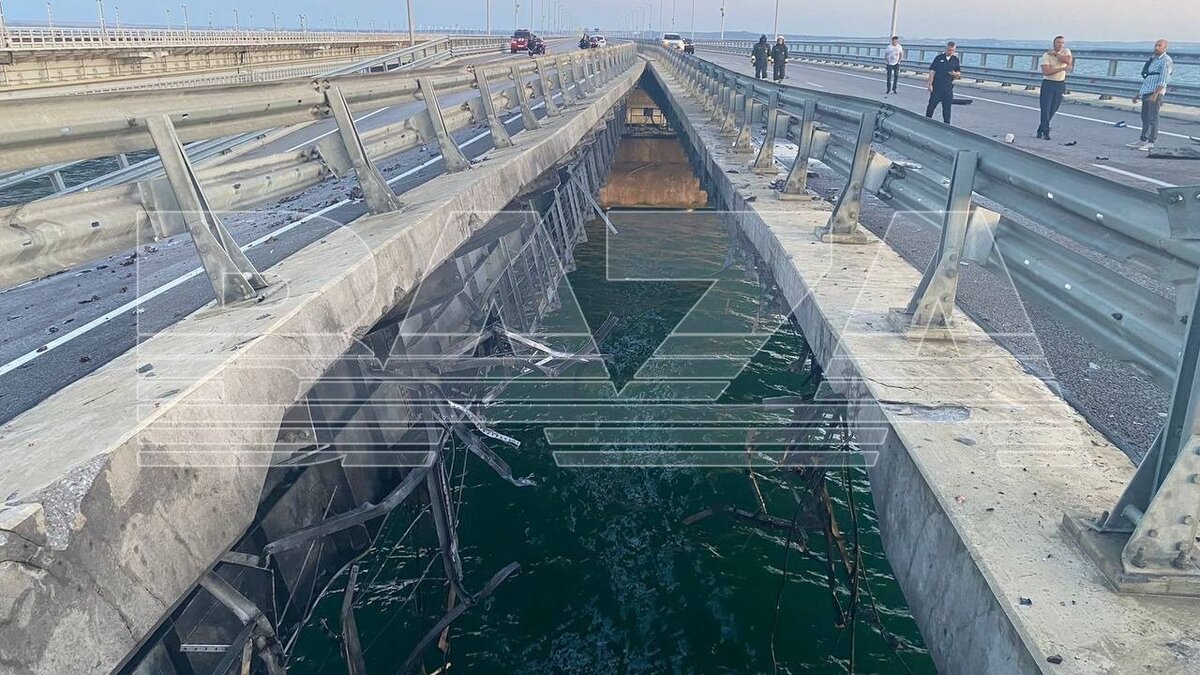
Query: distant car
x=689, y=47
x=597, y=41
x=672, y=40
x=519, y=41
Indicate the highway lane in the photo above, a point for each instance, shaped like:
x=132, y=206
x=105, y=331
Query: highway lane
x=56, y=330
x=1084, y=136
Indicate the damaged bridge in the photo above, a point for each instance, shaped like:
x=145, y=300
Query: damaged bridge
x=179, y=509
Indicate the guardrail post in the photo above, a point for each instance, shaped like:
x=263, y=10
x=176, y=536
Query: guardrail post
x=565, y=83
x=843, y=224
x=527, y=117
x=720, y=94
x=500, y=137
x=231, y=273
x=585, y=71
x=795, y=187
x=1161, y=504
x=930, y=313
x=764, y=163
x=546, y=92
x=729, y=118
x=452, y=156
x=743, y=143
x=376, y=192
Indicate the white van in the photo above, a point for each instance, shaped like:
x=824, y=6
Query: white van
x=672, y=40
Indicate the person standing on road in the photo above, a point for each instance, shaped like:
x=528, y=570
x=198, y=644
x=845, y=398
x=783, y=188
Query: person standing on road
x=1056, y=63
x=892, y=57
x=779, y=54
x=944, y=70
x=760, y=54
x=1156, y=74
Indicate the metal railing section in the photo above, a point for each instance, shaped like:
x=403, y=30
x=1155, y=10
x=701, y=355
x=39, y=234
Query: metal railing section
x=1056, y=231
x=43, y=38
x=1113, y=74
x=50, y=234
x=422, y=55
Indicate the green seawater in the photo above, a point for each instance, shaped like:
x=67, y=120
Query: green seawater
x=612, y=580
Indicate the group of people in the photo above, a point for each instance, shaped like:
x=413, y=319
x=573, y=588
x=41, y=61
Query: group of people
x=776, y=54
x=1056, y=64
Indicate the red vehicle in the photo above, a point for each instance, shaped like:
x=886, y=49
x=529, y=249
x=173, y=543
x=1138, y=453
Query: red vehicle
x=519, y=41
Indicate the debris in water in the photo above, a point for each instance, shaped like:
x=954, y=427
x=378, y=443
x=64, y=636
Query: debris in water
x=1026, y=602
x=1055, y=659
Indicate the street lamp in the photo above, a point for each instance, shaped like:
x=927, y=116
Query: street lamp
x=187, y=29
x=3, y=29
x=412, y=34
x=895, y=11
x=722, y=19
x=49, y=16
x=693, y=20
x=100, y=9
x=775, y=30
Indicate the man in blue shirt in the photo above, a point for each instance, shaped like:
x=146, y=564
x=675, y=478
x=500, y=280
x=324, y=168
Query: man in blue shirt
x=1156, y=74
x=944, y=70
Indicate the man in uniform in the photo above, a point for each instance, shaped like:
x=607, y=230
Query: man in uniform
x=779, y=54
x=759, y=55
x=1056, y=63
x=944, y=70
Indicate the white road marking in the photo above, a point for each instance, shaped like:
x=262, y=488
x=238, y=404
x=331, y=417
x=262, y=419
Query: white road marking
x=138, y=301
x=1130, y=174
x=317, y=138
x=814, y=84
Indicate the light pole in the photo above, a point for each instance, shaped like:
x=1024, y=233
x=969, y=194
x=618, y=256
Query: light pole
x=775, y=30
x=412, y=31
x=722, y=19
x=693, y=20
x=187, y=29
x=516, y=15
x=49, y=16
x=100, y=9
x=3, y=29
x=237, y=21
x=488, y=20
x=117, y=9
x=168, y=18
x=274, y=21
x=895, y=11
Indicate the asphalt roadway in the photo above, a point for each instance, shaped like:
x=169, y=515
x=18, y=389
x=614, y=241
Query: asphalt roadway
x=1117, y=398
x=58, y=329
x=1084, y=135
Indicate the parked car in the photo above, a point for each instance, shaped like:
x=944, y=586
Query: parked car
x=689, y=47
x=597, y=41
x=672, y=40
x=520, y=40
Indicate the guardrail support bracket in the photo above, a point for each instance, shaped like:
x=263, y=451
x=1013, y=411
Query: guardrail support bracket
x=546, y=92
x=500, y=137
x=233, y=276
x=744, y=141
x=564, y=82
x=795, y=187
x=452, y=156
x=527, y=117
x=764, y=163
x=843, y=224
x=376, y=192
x=930, y=313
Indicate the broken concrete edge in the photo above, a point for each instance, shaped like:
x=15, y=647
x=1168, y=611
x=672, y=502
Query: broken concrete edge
x=993, y=588
x=212, y=390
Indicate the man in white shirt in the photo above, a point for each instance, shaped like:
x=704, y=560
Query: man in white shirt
x=892, y=56
x=1057, y=62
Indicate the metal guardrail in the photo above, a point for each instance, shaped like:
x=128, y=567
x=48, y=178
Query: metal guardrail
x=423, y=54
x=939, y=174
x=976, y=65
x=50, y=234
x=43, y=38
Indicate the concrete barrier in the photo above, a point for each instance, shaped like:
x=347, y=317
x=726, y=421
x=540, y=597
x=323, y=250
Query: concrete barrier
x=979, y=464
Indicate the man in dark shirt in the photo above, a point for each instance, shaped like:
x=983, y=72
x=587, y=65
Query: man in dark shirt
x=759, y=55
x=944, y=70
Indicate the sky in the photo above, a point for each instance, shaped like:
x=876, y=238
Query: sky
x=1082, y=20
